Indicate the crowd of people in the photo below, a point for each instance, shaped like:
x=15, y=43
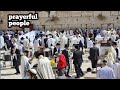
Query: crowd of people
x=64, y=46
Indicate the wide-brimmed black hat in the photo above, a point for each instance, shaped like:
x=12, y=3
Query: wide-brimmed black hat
x=57, y=44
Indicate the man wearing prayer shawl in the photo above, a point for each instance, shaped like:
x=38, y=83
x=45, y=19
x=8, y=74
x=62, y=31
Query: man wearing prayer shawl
x=44, y=68
x=116, y=70
x=1, y=41
x=51, y=40
x=63, y=41
x=89, y=43
x=25, y=65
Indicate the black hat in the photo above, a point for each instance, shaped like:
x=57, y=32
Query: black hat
x=76, y=47
x=26, y=51
x=104, y=62
x=22, y=38
x=57, y=44
x=114, y=43
x=66, y=45
x=94, y=43
x=12, y=46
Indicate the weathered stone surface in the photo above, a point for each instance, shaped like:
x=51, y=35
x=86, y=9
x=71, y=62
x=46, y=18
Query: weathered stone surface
x=66, y=18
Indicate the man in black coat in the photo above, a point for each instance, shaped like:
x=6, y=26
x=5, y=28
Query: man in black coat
x=94, y=55
x=46, y=41
x=66, y=54
x=57, y=48
x=16, y=58
x=77, y=61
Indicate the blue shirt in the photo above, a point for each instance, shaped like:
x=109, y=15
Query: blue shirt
x=105, y=73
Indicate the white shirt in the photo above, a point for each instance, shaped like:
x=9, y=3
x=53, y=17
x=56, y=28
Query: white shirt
x=105, y=73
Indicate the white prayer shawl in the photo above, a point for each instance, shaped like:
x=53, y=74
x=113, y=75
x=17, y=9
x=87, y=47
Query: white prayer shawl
x=111, y=57
x=98, y=46
x=26, y=44
x=116, y=70
x=77, y=40
x=57, y=40
x=110, y=60
x=16, y=45
x=47, y=33
x=71, y=32
x=63, y=41
x=2, y=44
x=25, y=66
x=109, y=33
x=89, y=43
x=98, y=38
x=104, y=32
x=54, y=32
x=51, y=41
x=114, y=53
x=44, y=69
x=113, y=37
x=118, y=52
x=114, y=32
x=91, y=30
x=36, y=45
x=118, y=42
x=71, y=40
x=52, y=49
x=31, y=44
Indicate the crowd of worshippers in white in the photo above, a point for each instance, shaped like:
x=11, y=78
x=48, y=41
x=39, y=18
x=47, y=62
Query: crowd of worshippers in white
x=64, y=46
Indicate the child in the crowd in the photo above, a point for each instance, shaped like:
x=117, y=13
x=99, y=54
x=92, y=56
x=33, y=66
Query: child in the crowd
x=61, y=74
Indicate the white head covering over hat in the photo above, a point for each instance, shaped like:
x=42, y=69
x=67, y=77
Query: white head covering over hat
x=33, y=71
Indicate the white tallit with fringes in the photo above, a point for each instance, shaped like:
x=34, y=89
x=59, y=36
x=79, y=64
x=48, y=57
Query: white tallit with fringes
x=44, y=69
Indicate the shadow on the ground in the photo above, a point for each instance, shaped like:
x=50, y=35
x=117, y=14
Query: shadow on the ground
x=6, y=74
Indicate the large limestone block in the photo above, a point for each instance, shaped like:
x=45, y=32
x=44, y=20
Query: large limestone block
x=43, y=14
x=114, y=13
x=87, y=13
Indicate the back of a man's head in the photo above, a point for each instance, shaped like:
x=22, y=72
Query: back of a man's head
x=104, y=62
x=76, y=47
x=89, y=69
x=94, y=44
x=66, y=45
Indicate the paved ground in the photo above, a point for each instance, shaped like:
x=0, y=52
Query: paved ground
x=8, y=72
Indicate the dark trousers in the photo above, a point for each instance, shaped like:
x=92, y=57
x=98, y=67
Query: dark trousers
x=94, y=63
x=17, y=69
x=78, y=70
x=16, y=64
x=67, y=68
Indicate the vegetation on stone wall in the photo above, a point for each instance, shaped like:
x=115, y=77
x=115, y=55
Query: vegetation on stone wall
x=101, y=17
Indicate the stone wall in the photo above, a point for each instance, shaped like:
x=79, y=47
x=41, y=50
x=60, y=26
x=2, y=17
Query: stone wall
x=89, y=19
x=70, y=19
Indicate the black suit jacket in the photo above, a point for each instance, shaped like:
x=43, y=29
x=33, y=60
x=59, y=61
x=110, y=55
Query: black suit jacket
x=65, y=53
x=77, y=56
x=55, y=50
x=94, y=53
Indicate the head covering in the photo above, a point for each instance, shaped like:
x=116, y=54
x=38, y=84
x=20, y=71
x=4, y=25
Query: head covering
x=57, y=44
x=33, y=71
x=76, y=47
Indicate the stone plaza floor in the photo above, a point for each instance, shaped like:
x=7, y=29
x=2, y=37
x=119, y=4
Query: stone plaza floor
x=8, y=72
